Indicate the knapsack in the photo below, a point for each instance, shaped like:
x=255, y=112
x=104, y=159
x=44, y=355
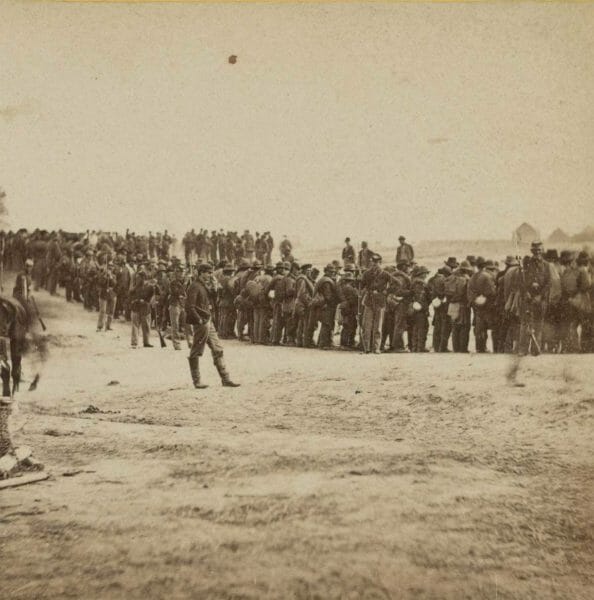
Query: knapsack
x=569, y=281
x=450, y=286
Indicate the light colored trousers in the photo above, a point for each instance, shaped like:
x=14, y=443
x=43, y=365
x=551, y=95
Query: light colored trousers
x=140, y=320
x=371, y=327
x=106, y=310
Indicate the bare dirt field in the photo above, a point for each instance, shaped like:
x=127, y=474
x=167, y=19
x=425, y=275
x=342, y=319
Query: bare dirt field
x=326, y=475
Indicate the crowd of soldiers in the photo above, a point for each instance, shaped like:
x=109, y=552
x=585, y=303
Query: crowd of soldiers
x=541, y=303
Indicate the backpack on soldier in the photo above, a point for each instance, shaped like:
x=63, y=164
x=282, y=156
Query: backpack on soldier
x=569, y=281
x=450, y=286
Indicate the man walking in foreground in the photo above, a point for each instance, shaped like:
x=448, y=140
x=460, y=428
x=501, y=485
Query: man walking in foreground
x=199, y=314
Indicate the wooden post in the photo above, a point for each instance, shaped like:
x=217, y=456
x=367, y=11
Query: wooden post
x=5, y=439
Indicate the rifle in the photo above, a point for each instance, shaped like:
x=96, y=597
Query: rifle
x=526, y=312
x=34, y=304
x=161, y=338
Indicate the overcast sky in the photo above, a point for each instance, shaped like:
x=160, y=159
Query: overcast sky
x=437, y=121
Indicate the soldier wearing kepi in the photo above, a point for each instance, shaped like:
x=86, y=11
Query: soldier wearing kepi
x=535, y=281
x=374, y=285
x=199, y=314
x=348, y=310
x=175, y=300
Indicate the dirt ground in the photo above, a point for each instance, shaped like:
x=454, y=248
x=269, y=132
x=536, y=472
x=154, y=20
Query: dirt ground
x=326, y=475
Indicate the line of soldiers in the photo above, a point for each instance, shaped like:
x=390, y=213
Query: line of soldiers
x=231, y=247
x=541, y=303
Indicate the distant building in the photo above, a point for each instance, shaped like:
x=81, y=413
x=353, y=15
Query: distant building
x=525, y=234
x=586, y=235
x=558, y=237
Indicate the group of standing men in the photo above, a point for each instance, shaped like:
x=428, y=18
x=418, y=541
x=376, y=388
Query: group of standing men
x=231, y=247
x=540, y=303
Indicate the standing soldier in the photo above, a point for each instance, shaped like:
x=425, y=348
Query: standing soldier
x=22, y=284
x=328, y=301
x=226, y=306
x=214, y=241
x=175, y=303
x=348, y=310
x=458, y=315
x=260, y=246
x=289, y=305
x=106, y=284
x=504, y=341
x=535, y=281
x=404, y=251
x=374, y=289
x=420, y=305
x=365, y=255
x=304, y=288
x=140, y=297
x=240, y=302
x=277, y=296
x=348, y=254
x=569, y=314
x=199, y=314
x=54, y=253
x=222, y=245
x=230, y=249
x=440, y=306
x=269, y=248
x=482, y=296
x=248, y=245
x=285, y=248
x=262, y=309
x=189, y=244
x=66, y=273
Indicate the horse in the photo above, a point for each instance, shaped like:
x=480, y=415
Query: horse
x=15, y=322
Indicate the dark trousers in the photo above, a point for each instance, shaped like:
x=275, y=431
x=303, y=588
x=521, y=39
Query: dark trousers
x=481, y=329
x=400, y=326
x=327, y=327
x=439, y=321
x=419, y=331
x=278, y=323
x=349, y=330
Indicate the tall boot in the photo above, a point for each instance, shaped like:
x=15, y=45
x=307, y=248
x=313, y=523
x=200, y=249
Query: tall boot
x=195, y=373
x=221, y=368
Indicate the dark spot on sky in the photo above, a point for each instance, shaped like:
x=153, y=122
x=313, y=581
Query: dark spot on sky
x=232, y=59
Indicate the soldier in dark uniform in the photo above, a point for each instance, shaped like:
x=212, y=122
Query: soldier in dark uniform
x=262, y=307
x=140, y=298
x=535, y=281
x=199, y=315
x=405, y=251
x=349, y=307
x=504, y=341
x=277, y=296
x=289, y=305
x=481, y=296
x=374, y=290
x=304, y=287
x=420, y=304
x=106, y=283
x=328, y=301
x=22, y=284
x=175, y=300
x=226, y=307
x=348, y=254
x=365, y=255
x=436, y=286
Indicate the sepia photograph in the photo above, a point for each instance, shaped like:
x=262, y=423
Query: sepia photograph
x=234, y=239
